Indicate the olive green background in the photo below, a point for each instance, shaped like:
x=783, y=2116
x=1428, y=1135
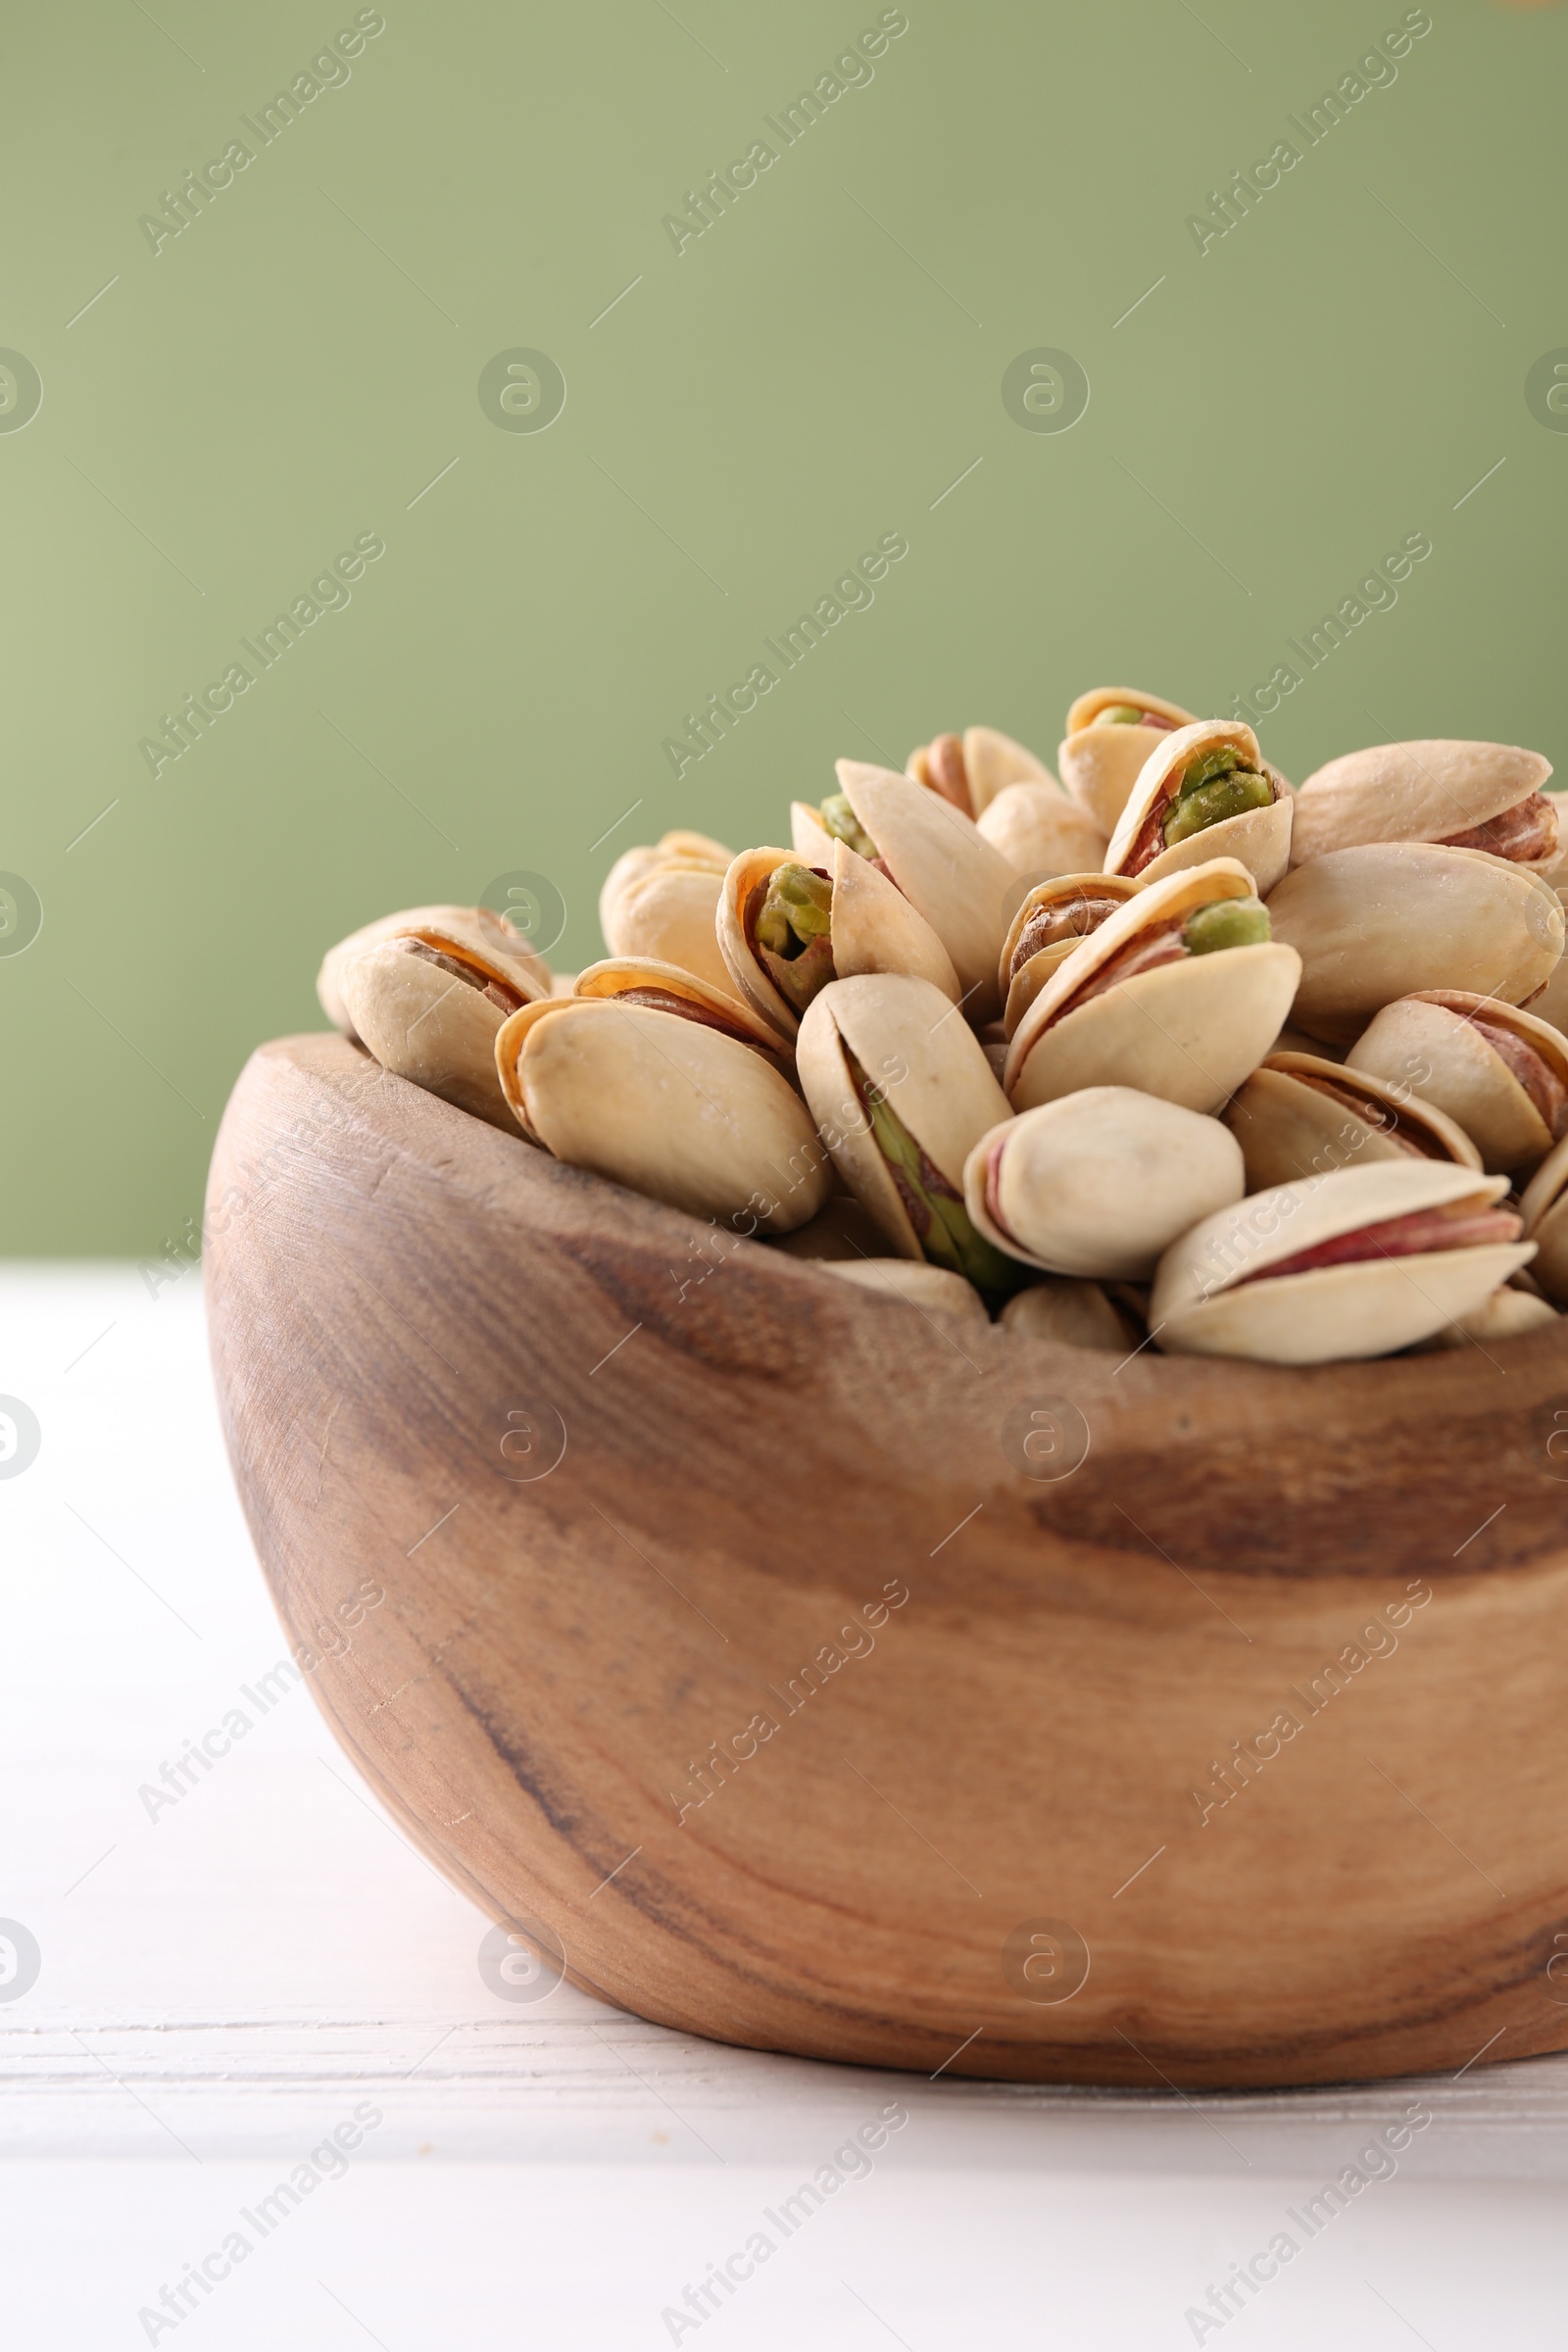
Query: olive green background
x=813, y=371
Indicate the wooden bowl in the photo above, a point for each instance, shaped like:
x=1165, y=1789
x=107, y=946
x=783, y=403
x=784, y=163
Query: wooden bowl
x=828, y=1676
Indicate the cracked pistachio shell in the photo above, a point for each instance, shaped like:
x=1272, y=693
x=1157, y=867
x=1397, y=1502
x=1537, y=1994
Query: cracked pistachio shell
x=618, y=977
x=1544, y=1210
x=931, y=1068
x=1099, y=765
x=931, y=1288
x=691, y=852
x=1041, y=831
x=874, y=929
x=810, y=838
x=948, y=871
x=1303, y=1115
x=1431, y=1043
x=1019, y=989
x=1429, y=791
x=1069, y=1313
x=670, y=912
x=1099, y=1183
x=1259, y=837
x=1202, y=1305
x=1390, y=919
x=667, y=1107
x=424, y=1026
x=480, y=928
x=991, y=761
x=1190, y=1031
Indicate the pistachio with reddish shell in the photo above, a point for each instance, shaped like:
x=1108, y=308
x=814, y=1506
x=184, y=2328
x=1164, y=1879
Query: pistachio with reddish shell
x=1041, y=832
x=1300, y=1114
x=1544, y=1210
x=931, y=1288
x=1390, y=919
x=786, y=929
x=428, y=1004
x=1179, y=993
x=901, y=1093
x=668, y=1105
x=488, y=934
x=631, y=980
x=1468, y=796
x=1069, y=1312
x=1050, y=923
x=1500, y=1074
x=971, y=769
x=1357, y=1263
x=1110, y=734
x=1101, y=1182
x=1206, y=791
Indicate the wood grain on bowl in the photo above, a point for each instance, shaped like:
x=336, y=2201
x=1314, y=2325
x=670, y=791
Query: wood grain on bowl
x=832, y=1677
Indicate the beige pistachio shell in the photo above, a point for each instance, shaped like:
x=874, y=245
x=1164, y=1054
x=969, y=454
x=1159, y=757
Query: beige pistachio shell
x=426, y=1024
x=1544, y=1210
x=1505, y=1314
x=931, y=1288
x=1550, y=1003
x=874, y=929
x=1261, y=837
x=1303, y=1115
x=667, y=1107
x=1431, y=1043
x=1214, y=1294
x=1099, y=765
x=1429, y=791
x=1099, y=1183
x=988, y=761
x=670, y=913
x=1390, y=919
x=948, y=871
x=1041, y=832
x=1190, y=1031
x=618, y=977
x=929, y=1065
x=810, y=838
x=479, y=927
x=691, y=851
x=1019, y=989
x=840, y=1229
x=1069, y=1313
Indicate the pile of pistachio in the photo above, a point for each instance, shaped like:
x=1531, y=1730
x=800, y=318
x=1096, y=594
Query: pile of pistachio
x=1167, y=1051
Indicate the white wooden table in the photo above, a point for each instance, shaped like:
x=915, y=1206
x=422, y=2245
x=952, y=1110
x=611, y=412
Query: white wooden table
x=227, y=1978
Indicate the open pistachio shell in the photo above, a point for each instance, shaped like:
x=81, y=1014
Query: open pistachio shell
x=1228, y=1287
x=897, y=1037
x=1473, y=796
x=965, y=889
x=666, y=1107
x=693, y=853
x=1261, y=837
x=1303, y=1115
x=629, y=980
x=489, y=935
x=810, y=838
x=1069, y=1313
x=931, y=1288
x=971, y=770
x=1102, y=758
x=1544, y=1210
x=1073, y=905
x=1500, y=1074
x=1390, y=919
x=871, y=928
x=669, y=913
x=1040, y=831
x=430, y=1004
x=1099, y=1183
x=1189, y=1029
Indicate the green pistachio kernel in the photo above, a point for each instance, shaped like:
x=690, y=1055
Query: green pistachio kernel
x=1209, y=766
x=936, y=1212
x=1226, y=923
x=1118, y=714
x=1198, y=806
x=840, y=820
x=797, y=907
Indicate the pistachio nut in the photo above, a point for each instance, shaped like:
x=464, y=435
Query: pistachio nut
x=1112, y=733
x=1041, y=831
x=1050, y=923
x=1069, y=1313
x=489, y=934
x=1544, y=1210
x=1505, y=1314
x=1550, y=1003
x=1357, y=1263
x=1179, y=993
x=689, y=853
x=1302, y=1114
x=1469, y=795
x=670, y=913
x=666, y=1105
x=971, y=770
x=1206, y=791
x=1499, y=1072
x=933, y=853
x=1390, y=919
x=931, y=1288
x=786, y=929
x=428, y=1004
x=901, y=1093
x=1099, y=1183
x=628, y=980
